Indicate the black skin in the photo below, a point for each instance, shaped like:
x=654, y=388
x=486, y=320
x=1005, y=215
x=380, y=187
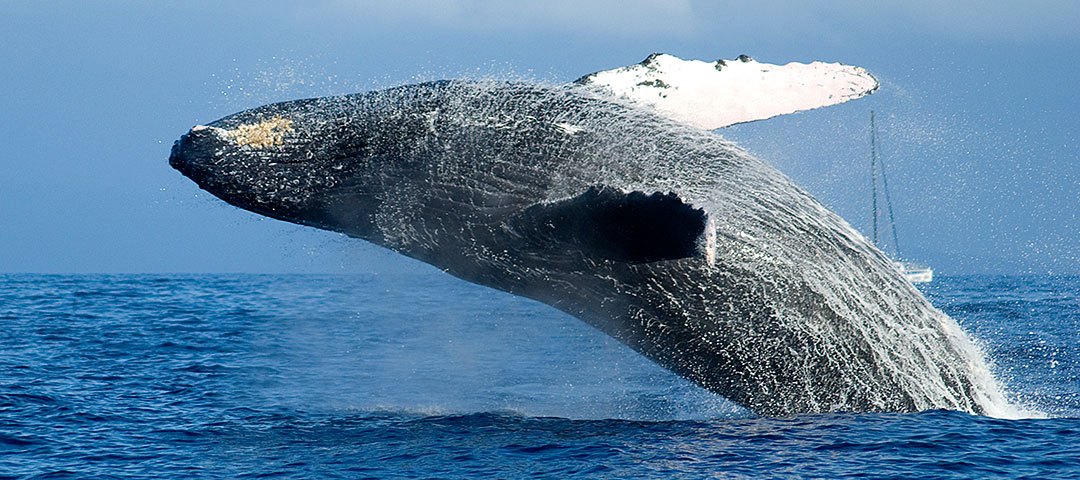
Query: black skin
x=493, y=183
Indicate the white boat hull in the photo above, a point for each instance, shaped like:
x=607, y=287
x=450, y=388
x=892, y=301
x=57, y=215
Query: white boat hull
x=915, y=273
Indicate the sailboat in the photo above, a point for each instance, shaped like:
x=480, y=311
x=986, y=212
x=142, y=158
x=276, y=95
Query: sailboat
x=913, y=272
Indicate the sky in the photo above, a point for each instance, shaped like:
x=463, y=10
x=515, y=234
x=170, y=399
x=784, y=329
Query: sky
x=976, y=113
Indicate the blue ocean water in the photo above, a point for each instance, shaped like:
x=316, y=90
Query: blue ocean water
x=421, y=375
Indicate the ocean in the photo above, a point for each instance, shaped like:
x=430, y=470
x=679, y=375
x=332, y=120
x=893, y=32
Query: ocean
x=416, y=374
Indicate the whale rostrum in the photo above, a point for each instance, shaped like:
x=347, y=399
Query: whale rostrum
x=665, y=236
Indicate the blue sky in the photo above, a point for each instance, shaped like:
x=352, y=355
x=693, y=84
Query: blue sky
x=977, y=110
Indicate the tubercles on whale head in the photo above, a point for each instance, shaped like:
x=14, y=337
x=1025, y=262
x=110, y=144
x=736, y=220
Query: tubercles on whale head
x=260, y=134
x=263, y=134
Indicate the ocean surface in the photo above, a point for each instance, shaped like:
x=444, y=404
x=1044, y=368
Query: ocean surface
x=417, y=374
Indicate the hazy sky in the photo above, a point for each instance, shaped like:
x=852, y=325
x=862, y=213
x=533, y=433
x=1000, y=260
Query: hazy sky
x=977, y=113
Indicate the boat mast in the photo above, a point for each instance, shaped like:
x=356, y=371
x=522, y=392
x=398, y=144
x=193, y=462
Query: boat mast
x=875, y=163
x=873, y=175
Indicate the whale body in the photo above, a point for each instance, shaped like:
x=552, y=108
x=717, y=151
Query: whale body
x=667, y=237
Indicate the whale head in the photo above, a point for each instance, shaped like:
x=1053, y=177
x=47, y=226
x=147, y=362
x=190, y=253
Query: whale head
x=282, y=160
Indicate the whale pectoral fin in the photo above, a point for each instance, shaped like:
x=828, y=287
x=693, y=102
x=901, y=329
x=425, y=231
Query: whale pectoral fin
x=718, y=94
x=607, y=223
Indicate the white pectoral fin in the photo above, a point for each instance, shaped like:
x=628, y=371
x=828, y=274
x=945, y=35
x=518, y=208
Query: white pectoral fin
x=712, y=95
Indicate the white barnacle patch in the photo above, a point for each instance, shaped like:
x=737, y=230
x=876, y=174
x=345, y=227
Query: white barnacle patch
x=264, y=134
x=568, y=128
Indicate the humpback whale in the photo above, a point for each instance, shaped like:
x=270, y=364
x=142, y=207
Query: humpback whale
x=647, y=226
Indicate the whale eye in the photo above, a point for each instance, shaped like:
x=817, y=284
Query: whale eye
x=606, y=223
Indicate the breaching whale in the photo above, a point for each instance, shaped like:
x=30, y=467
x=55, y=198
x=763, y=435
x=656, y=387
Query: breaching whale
x=661, y=234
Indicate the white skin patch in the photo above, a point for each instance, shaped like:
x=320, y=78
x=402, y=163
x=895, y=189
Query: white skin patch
x=267, y=133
